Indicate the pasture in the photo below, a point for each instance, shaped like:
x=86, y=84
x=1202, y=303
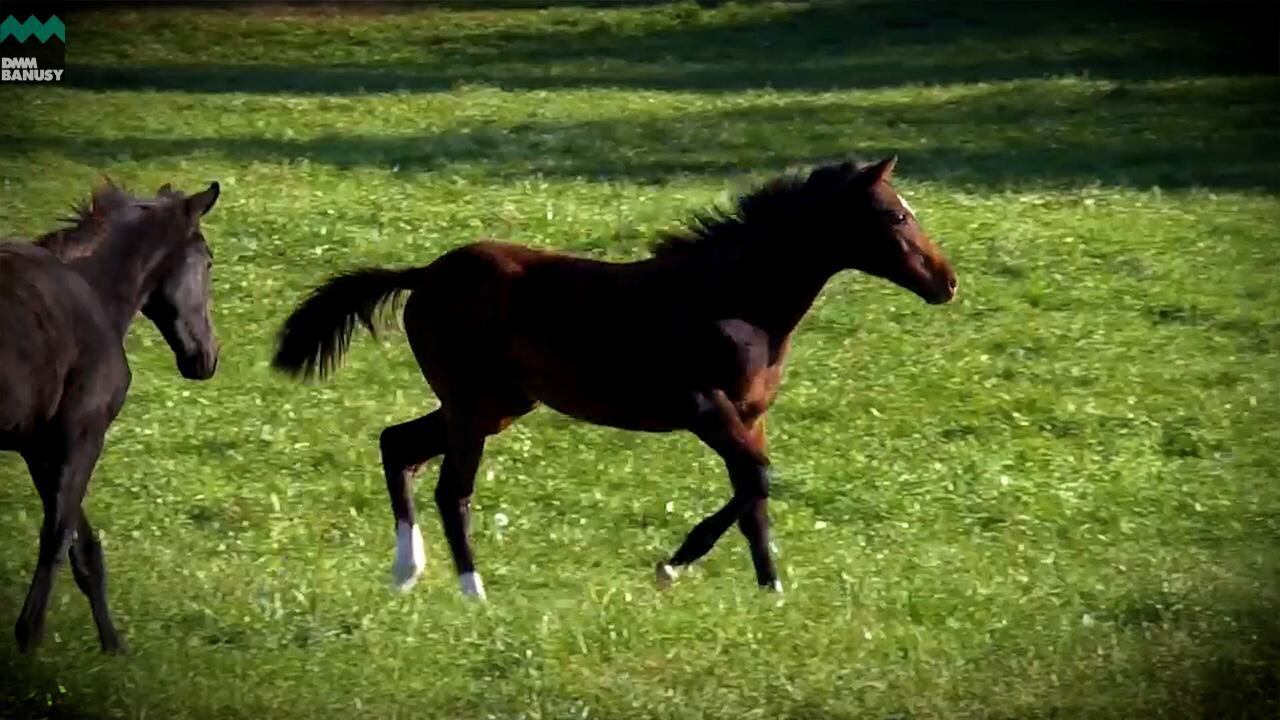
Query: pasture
x=1054, y=498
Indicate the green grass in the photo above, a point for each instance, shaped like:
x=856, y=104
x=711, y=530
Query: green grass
x=1056, y=497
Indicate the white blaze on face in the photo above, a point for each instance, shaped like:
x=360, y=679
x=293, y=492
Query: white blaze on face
x=905, y=204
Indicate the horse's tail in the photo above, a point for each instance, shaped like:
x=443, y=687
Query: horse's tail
x=316, y=336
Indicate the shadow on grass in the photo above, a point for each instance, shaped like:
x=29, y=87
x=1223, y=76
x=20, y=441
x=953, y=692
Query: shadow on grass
x=1239, y=672
x=1194, y=135
x=1241, y=681
x=825, y=46
x=31, y=691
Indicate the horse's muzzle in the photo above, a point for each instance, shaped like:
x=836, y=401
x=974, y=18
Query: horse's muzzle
x=945, y=287
x=200, y=366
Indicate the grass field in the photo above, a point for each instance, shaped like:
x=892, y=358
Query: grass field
x=1055, y=498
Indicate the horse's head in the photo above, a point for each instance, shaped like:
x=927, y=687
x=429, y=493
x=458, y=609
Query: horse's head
x=178, y=304
x=875, y=231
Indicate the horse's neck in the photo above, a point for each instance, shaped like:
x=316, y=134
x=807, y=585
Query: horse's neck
x=771, y=288
x=118, y=271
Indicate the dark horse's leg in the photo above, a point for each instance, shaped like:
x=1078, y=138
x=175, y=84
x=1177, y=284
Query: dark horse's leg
x=742, y=448
x=61, y=471
x=90, y=571
x=405, y=447
x=467, y=432
x=453, y=500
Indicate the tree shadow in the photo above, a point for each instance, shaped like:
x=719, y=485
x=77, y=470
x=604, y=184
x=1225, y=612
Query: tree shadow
x=1188, y=135
x=818, y=47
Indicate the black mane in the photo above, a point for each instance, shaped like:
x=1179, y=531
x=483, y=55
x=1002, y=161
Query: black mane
x=780, y=202
x=88, y=224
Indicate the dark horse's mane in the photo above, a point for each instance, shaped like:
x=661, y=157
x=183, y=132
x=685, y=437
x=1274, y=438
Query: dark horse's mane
x=88, y=224
x=785, y=200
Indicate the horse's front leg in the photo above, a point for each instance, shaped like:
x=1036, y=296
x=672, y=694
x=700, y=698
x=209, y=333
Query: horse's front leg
x=61, y=470
x=741, y=446
x=89, y=568
x=750, y=477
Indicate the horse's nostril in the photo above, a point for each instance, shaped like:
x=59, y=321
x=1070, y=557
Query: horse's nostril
x=951, y=283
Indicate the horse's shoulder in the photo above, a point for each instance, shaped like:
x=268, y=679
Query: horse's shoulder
x=27, y=261
x=42, y=299
x=21, y=252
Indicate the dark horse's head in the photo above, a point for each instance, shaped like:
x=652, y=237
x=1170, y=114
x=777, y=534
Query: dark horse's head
x=156, y=246
x=869, y=227
x=179, y=302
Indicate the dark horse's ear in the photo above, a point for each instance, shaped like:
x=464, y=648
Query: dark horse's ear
x=878, y=172
x=202, y=202
x=165, y=189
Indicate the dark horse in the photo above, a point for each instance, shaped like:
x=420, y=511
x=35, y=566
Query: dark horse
x=66, y=303
x=693, y=338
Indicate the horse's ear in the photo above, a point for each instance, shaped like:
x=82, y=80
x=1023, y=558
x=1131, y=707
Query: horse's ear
x=165, y=189
x=202, y=202
x=878, y=172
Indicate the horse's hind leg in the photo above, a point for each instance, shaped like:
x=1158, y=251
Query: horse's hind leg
x=453, y=501
x=61, y=476
x=467, y=433
x=456, y=334
x=405, y=447
x=90, y=571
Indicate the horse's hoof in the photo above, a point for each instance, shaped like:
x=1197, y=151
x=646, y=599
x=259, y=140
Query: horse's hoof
x=775, y=586
x=665, y=575
x=472, y=586
x=114, y=646
x=404, y=577
x=411, y=557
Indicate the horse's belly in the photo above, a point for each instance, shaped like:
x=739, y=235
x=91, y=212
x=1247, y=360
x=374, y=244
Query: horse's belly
x=617, y=415
x=605, y=391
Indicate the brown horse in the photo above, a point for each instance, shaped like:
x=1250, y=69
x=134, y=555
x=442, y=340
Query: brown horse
x=693, y=338
x=66, y=303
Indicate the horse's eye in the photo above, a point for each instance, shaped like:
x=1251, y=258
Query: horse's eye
x=899, y=217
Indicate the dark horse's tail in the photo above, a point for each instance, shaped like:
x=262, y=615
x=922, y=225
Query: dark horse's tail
x=316, y=336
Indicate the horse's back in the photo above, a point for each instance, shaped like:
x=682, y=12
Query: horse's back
x=509, y=288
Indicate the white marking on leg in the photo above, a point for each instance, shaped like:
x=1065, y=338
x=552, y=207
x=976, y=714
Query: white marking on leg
x=775, y=587
x=665, y=575
x=411, y=556
x=472, y=585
